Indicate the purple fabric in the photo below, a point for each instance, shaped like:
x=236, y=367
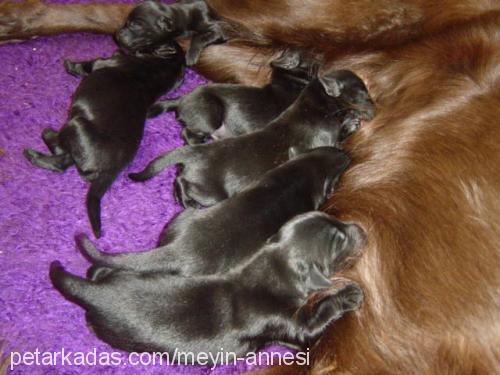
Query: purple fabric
x=40, y=211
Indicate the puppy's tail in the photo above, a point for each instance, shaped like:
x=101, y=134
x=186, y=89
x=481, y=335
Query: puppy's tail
x=163, y=106
x=152, y=260
x=74, y=288
x=176, y=156
x=96, y=191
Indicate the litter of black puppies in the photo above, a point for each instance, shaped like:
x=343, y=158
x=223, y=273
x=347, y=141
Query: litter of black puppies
x=107, y=116
x=215, y=171
x=220, y=237
x=153, y=23
x=222, y=110
x=261, y=301
x=253, y=268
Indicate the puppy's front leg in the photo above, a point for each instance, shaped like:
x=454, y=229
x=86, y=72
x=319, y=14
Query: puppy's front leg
x=162, y=106
x=78, y=69
x=213, y=35
x=51, y=139
x=310, y=326
x=84, y=68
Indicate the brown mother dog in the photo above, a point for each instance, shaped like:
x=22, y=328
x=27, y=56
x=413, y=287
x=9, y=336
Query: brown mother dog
x=425, y=182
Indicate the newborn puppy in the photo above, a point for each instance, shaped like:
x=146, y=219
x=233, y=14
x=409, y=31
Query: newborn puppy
x=228, y=110
x=107, y=115
x=212, y=172
x=153, y=22
x=258, y=302
x=220, y=237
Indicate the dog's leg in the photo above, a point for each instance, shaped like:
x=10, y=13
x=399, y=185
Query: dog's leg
x=31, y=18
x=78, y=69
x=195, y=195
x=163, y=106
x=72, y=287
x=181, y=195
x=161, y=258
x=96, y=191
x=97, y=273
x=56, y=163
x=193, y=138
x=84, y=68
x=51, y=140
x=330, y=308
x=200, y=41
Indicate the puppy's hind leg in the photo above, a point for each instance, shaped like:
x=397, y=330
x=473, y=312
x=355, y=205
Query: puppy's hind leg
x=98, y=188
x=162, y=106
x=97, y=273
x=161, y=162
x=74, y=288
x=51, y=139
x=161, y=258
x=56, y=163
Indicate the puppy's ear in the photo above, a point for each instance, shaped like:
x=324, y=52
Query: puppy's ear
x=288, y=60
x=316, y=280
x=331, y=84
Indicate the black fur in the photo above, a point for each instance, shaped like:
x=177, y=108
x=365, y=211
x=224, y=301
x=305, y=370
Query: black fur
x=212, y=172
x=227, y=110
x=107, y=115
x=259, y=302
x=220, y=237
x=153, y=22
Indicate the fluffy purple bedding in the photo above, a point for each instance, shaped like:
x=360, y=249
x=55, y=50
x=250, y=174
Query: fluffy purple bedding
x=40, y=211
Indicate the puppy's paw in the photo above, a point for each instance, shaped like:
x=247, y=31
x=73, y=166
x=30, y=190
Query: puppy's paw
x=351, y=297
x=155, y=110
x=49, y=133
x=71, y=68
x=31, y=155
x=137, y=177
x=55, y=270
x=192, y=56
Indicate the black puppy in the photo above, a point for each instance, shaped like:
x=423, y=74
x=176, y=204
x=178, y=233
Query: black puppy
x=259, y=302
x=106, y=120
x=218, y=238
x=212, y=172
x=153, y=22
x=228, y=110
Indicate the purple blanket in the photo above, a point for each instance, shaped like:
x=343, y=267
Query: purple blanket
x=40, y=211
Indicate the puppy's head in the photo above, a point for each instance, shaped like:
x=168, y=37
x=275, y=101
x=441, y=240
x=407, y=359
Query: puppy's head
x=295, y=65
x=323, y=165
x=348, y=88
x=150, y=23
x=318, y=246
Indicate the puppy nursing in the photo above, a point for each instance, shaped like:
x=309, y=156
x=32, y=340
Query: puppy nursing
x=207, y=241
x=107, y=115
x=255, y=266
x=212, y=172
x=241, y=310
x=228, y=110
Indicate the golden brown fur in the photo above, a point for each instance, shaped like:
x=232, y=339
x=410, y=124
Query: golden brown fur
x=425, y=180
